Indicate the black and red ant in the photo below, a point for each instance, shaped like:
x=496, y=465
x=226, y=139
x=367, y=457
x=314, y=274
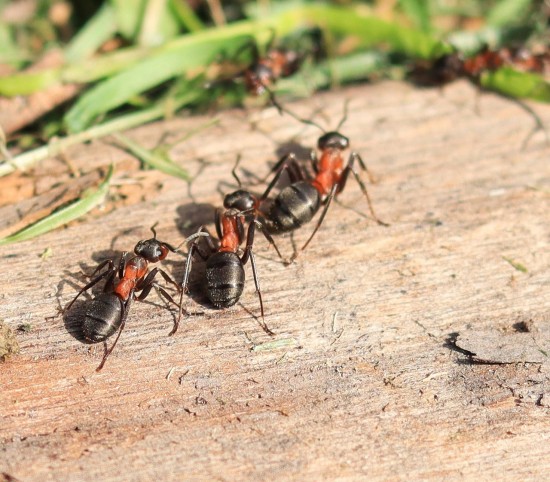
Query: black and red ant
x=107, y=312
x=297, y=203
x=450, y=67
x=225, y=274
x=279, y=61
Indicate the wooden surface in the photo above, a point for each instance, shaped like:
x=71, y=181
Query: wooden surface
x=361, y=379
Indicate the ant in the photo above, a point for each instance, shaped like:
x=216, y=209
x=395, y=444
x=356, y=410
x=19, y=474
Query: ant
x=450, y=67
x=279, y=62
x=106, y=313
x=297, y=203
x=225, y=274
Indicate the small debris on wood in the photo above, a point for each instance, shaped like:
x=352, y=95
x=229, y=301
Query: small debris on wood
x=515, y=264
x=8, y=342
x=46, y=253
x=24, y=327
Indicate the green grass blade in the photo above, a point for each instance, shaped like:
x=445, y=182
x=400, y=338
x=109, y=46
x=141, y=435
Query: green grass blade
x=87, y=70
x=521, y=85
x=105, y=65
x=129, y=15
x=186, y=16
x=159, y=23
x=169, y=62
x=100, y=28
x=64, y=215
x=127, y=121
x=153, y=159
x=506, y=12
x=24, y=84
x=419, y=12
x=369, y=30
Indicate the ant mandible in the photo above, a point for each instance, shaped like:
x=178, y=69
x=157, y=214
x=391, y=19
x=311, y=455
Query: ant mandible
x=225, y=274
x=107, y=312
x=297, y=203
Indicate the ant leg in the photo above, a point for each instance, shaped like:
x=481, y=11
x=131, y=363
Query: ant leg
x=99, y=267
x=314, y=160
x=122, y=264
x=258, y=290
x=248, y=254
x=218, y=222
x=234, y=170
x=268, y=236
x=349, y=168
x=108, y=273
x=189, y=239
x=201, y=233
x=124, y=313
x=279, y=168
x=539, y=125
x=168, y=297
x=321, y=218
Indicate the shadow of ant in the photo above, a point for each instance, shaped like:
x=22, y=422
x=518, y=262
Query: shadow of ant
x=192, y=216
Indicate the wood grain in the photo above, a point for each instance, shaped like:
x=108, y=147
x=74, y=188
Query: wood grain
x=364, y=382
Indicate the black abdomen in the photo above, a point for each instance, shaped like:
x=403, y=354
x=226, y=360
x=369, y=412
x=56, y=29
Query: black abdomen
x=103, y=317
x=294, y=206
x=224, y=279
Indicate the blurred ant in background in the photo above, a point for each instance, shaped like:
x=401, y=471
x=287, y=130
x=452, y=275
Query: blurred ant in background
x=281, y=61
x=450, y=67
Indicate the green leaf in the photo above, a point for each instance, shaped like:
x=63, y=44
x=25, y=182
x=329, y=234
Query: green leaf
x=155, y=160
x=419, y=12
x=100, y=28
x=186, y=15
x=86, y=70
x=64, y=215
x=522, y=85
x=506, y=12
x=24, y=84
x=128, y=14
x=369, y=30
x=159, y=23
x=168, y=62
x=161, y=109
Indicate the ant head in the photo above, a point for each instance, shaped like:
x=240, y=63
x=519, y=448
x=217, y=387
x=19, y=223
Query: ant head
x=152, y=250
x=333, y=140
x=257, y=78
x=240, y=200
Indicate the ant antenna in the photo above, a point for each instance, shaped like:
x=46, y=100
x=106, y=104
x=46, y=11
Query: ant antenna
x=234, y=170
x=345, y=116
x=283, y=110
x=154, y=231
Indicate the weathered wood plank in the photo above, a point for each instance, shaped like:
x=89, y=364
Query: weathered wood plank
x=364, y=383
